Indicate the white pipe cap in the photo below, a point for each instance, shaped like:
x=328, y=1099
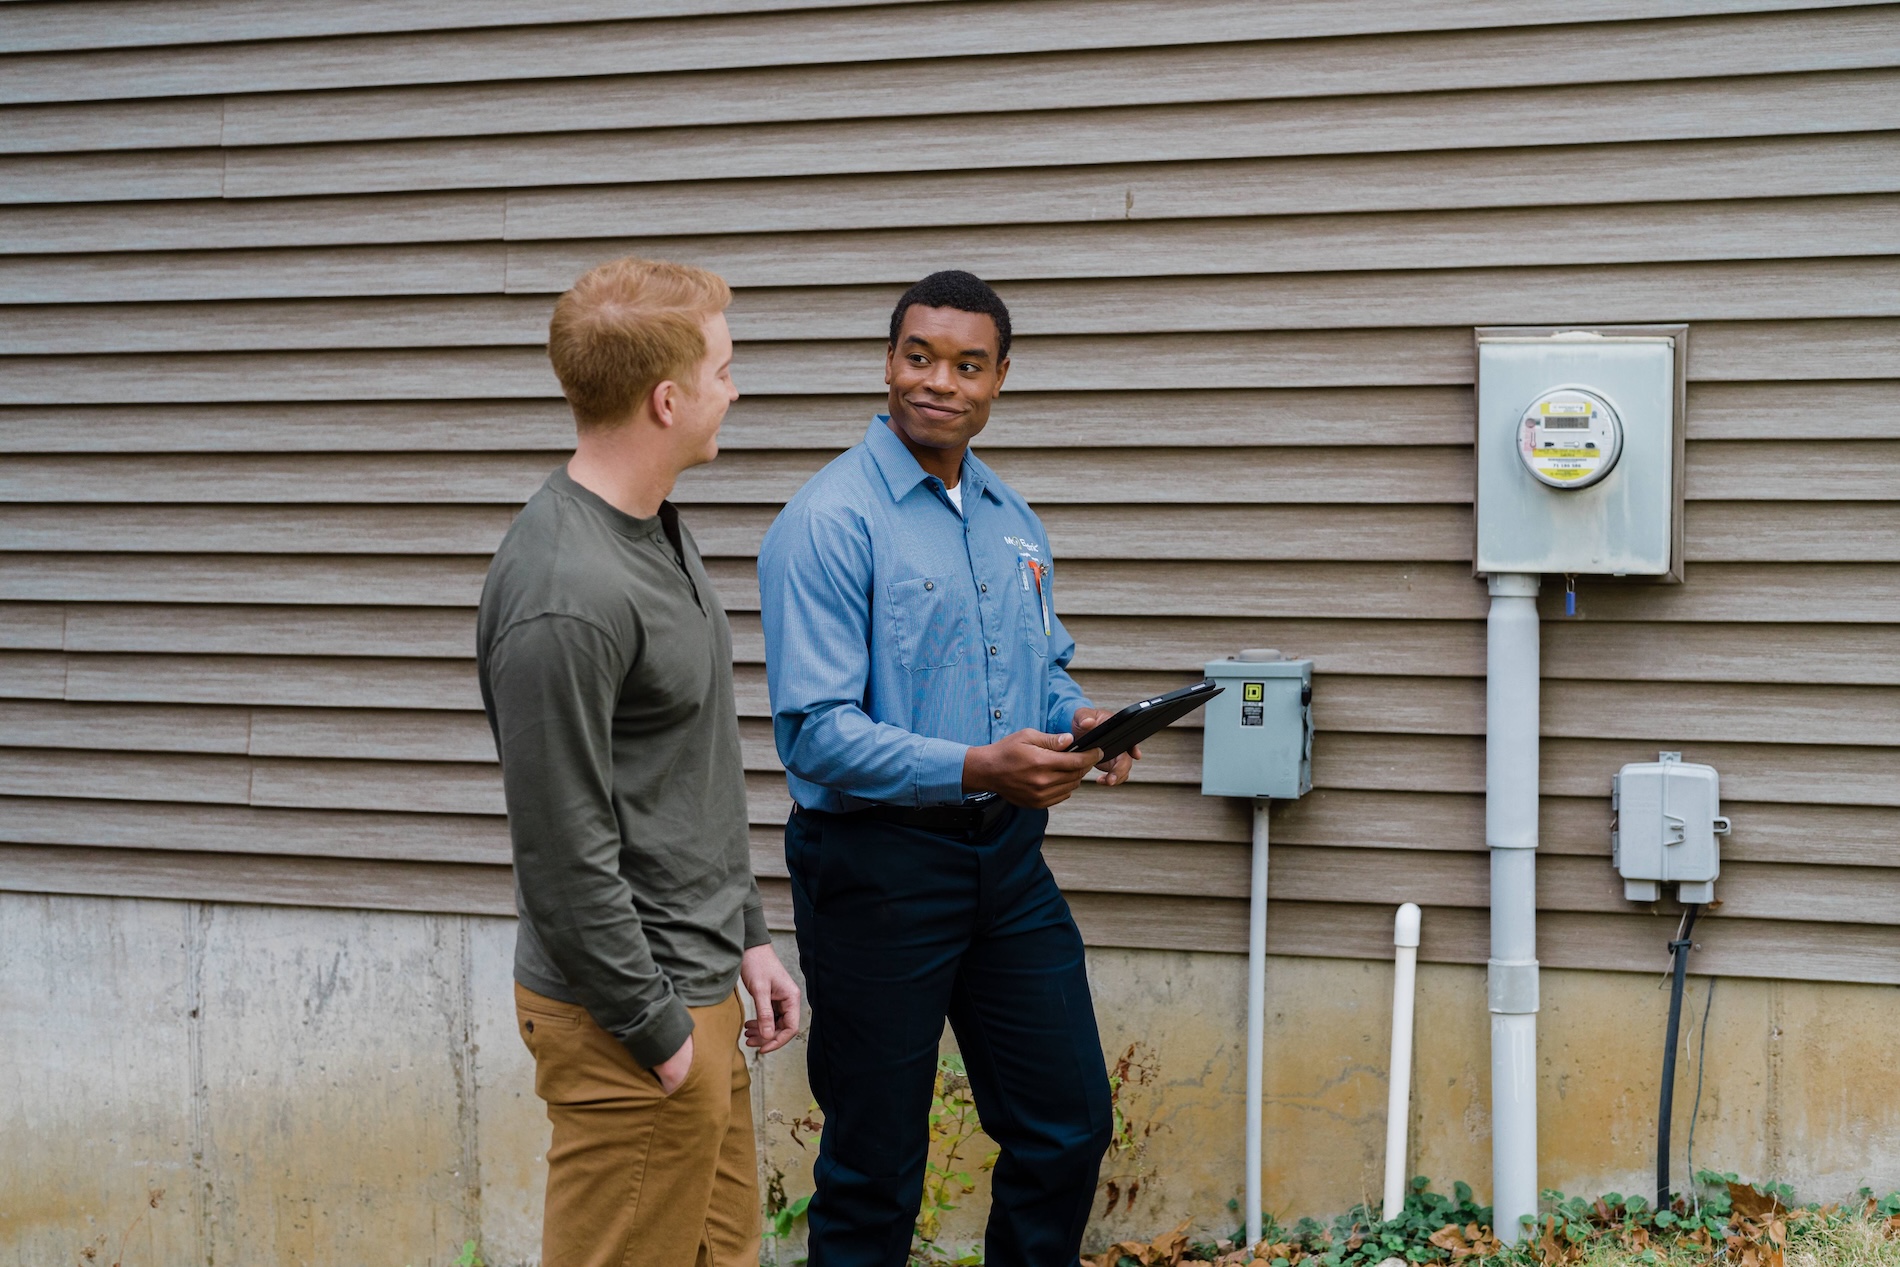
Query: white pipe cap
x=1405, y=927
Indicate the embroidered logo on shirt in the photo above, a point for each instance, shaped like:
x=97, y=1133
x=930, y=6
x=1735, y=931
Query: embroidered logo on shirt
x=1028, y=547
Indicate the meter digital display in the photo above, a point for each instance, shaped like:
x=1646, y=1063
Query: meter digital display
x=1569, y=438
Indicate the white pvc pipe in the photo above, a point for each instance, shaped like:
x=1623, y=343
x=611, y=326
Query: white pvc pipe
x=1256, y=1016
x=1510, y=833
x=1398, y=1104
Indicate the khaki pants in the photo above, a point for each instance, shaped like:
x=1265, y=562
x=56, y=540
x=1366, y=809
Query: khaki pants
x=637, y=1178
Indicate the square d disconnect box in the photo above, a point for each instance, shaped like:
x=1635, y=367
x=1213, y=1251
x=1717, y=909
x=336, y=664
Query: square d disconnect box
x=1259, y=735
x=1580, y=450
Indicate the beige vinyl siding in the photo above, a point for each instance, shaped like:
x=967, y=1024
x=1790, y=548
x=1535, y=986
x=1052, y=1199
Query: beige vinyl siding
x=273, y=283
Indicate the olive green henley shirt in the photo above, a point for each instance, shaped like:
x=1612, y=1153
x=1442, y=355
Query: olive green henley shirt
x=606, y=671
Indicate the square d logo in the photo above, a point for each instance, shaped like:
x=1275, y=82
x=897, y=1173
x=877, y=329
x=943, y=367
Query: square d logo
x=1253, y=692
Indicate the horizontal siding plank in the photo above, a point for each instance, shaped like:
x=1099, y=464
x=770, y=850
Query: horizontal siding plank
x=218, y=779
x=375, y=734
x=32, y=627
x=1796, y=652
x=262, y=630
x=273, y=680
x=454, y=268
x=429, y=787
x=1844, y=895
x=1813, y=835
x=27, y=27
x=1316, y=474
x=1762, y=773
x=255, y=529
x=1396, y=296
x=1765, y=105
x=1436, y=415
x=210, y=578
x=1737, y=592
x=1822, y=349
x=1797, y=531
x=1657, y=171
x=116, y=125
x=210, y=877
x=32, y=675
x=1619, y=52
x=127, y=727
x=1715, y=532
x=1858, y=895
x=623, y=47
x=41, y=820
x=1710, y=711
x=1414, y=647
x=1654, y=172
x=1671, y=233
x=56, y=178
x=1285, y=532
x=1794, y=411
x=183, y=224
x=1720, y=592
x=1777, y=470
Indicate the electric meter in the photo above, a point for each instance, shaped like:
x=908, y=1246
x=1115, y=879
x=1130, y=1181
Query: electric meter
x=1569, y=438
x=1579, y=451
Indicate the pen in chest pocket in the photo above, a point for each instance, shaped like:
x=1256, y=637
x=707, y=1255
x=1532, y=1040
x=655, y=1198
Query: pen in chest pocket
x=1035, y=568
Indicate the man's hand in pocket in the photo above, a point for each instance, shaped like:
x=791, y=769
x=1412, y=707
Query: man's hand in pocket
x=673, y=1070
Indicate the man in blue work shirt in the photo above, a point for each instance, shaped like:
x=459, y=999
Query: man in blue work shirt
x=922, y=706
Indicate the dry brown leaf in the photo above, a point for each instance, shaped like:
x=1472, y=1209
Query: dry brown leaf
x=1748, y=1201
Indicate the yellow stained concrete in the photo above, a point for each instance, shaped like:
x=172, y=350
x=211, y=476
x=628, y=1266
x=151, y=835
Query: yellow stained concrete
x=337, y=1088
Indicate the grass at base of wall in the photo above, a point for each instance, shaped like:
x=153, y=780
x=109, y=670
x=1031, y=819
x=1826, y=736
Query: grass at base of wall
x=1722, y=1221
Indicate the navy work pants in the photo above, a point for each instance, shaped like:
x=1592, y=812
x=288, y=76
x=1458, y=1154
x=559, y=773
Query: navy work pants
x=899, y=929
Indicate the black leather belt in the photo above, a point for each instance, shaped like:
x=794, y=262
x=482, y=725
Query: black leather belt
x=972, y=818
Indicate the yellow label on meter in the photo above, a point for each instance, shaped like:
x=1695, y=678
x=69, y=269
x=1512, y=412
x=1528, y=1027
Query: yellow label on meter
x=1253, y=692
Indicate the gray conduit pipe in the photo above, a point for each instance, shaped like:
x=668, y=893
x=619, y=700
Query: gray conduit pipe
x=1510, y=833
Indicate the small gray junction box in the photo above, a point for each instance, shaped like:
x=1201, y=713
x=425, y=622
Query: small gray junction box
x=1668, y=813
x=1258, y=739
x=1580, y=451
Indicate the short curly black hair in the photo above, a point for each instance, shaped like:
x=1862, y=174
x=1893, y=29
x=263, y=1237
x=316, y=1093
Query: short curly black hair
x=966, y=292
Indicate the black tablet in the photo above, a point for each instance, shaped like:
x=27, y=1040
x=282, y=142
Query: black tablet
x=1136, y=722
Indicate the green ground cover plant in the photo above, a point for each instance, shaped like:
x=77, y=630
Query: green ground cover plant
x=1722, y=1221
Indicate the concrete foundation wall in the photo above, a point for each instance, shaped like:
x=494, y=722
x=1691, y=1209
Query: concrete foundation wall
x=327, y=1087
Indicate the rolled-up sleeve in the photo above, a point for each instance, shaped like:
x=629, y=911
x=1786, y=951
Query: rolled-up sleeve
x=554, y=681
x=815, y=579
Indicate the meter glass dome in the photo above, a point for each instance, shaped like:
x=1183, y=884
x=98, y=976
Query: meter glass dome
x=1569, y=438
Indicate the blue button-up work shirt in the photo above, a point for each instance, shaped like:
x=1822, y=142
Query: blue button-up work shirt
x=899, y=633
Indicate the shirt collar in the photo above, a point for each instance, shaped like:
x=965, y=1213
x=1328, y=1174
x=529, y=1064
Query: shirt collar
x=902, y=473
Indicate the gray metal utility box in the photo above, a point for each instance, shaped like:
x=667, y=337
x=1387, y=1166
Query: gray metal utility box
x=1259, y=730
x=1580, y=450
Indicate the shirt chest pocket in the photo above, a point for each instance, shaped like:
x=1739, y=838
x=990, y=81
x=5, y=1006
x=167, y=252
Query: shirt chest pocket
x=929, y=625
x=1032, y=591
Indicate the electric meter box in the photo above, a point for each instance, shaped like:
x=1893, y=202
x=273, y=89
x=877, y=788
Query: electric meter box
x=1258, y=739
x=1668, y=813
x=1580, y=450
